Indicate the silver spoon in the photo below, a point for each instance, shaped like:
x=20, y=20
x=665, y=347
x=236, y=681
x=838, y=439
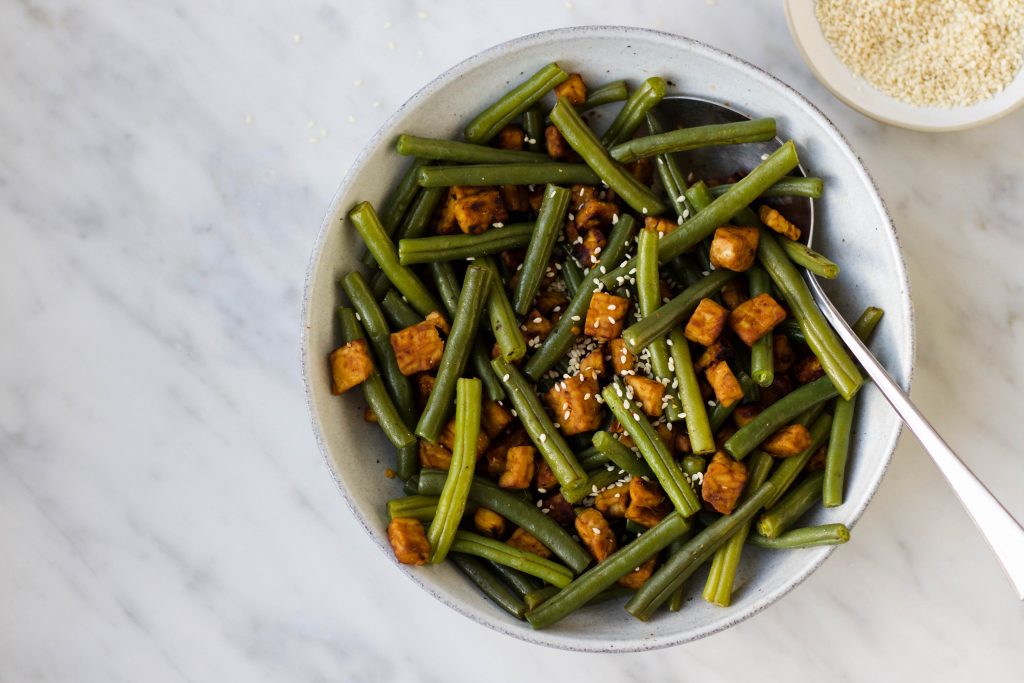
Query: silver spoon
x=1002, y=532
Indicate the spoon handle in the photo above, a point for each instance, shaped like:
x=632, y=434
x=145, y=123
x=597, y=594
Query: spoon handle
x=1002, y=532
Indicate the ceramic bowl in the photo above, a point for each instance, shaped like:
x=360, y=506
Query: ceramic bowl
x=868, y=100
x=854, y=229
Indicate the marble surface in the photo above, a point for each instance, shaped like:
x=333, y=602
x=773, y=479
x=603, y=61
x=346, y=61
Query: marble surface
x=164, y=168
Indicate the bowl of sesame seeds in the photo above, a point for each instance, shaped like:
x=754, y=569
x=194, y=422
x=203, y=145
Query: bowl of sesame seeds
x=854, y=228
x=928, y=65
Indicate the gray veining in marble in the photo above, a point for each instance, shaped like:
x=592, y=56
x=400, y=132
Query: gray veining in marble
x=164, y=168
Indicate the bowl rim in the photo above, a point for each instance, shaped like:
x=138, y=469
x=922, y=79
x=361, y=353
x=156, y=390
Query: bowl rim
x=548, y=638
x=795, y=19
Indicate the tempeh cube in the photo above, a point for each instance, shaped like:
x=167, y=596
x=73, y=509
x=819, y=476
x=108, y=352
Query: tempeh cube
x=734, y=248
x=476, y=213
x=723, y=482
x=723, y=381
x=489, y=523
x=649, y=392
x=417, y=348
x=434, y=455
x=606, y=315
x=518, y=468
x=791, y=440
x=595, y=213
x=777, y=222
x=706, y=323
x=613, y=501
x=623, y=360
x=351, y=365
x=574, y=404
x=646, y=494
x=755, y=318
x=638, y=577
x=408, y=539
x=597, y=536
x=572, y=89
x=494, y=417
x=524, y=540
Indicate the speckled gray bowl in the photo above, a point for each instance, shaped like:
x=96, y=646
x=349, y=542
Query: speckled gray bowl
x=853, y=228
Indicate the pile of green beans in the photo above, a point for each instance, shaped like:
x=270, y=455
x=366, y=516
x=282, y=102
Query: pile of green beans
x=503, y=389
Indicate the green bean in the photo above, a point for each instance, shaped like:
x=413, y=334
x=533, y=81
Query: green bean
x=452, y=502
x=586, y=144
x=538, y=425
x=726, y=561
x=597, y=480
x=508, y=174
x=489, y=584
x=414, y=224
x=592, y=458
x=463, y=152
x=490, y=121
x=698, y=427
x=657, y=324
x=479, y=356
x=364, y=218
x=762, y=357
x=411, y=487
x=652, y=448
x=791, y=328
x=458, y=247
x=802, y=255
x=374, y=391
x=533, y=126
x=693, y=464
x=778, y=415
x=623, y=456
x=789, y=186
x=684, y=139
x=718, y=213
x=504, y=324
x=807, y=537
x=565, y=331
x=616, y=91
x=517, y=511
x=633, y=112
x=648, y=289
x=399, y=313
x=792, y=506
x=534, y=598
x=421, y=214
x=821, y=339
x=465, y=321
x=550, y=222
x=396, y=207
x=672, y=179
x=675, y=602
x=842, y=423
x=418, y=507
x=518, y=581
x=790, y=468
x=589, y=584
x=674, y=572
x=572, y=274
x=502, y=553
x=377, y=329
x=619, y=241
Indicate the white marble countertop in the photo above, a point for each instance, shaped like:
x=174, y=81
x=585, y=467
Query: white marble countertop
x=164, y=168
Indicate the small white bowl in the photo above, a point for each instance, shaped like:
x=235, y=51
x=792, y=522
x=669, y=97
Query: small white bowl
x=865, y=98
x=854, y=229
